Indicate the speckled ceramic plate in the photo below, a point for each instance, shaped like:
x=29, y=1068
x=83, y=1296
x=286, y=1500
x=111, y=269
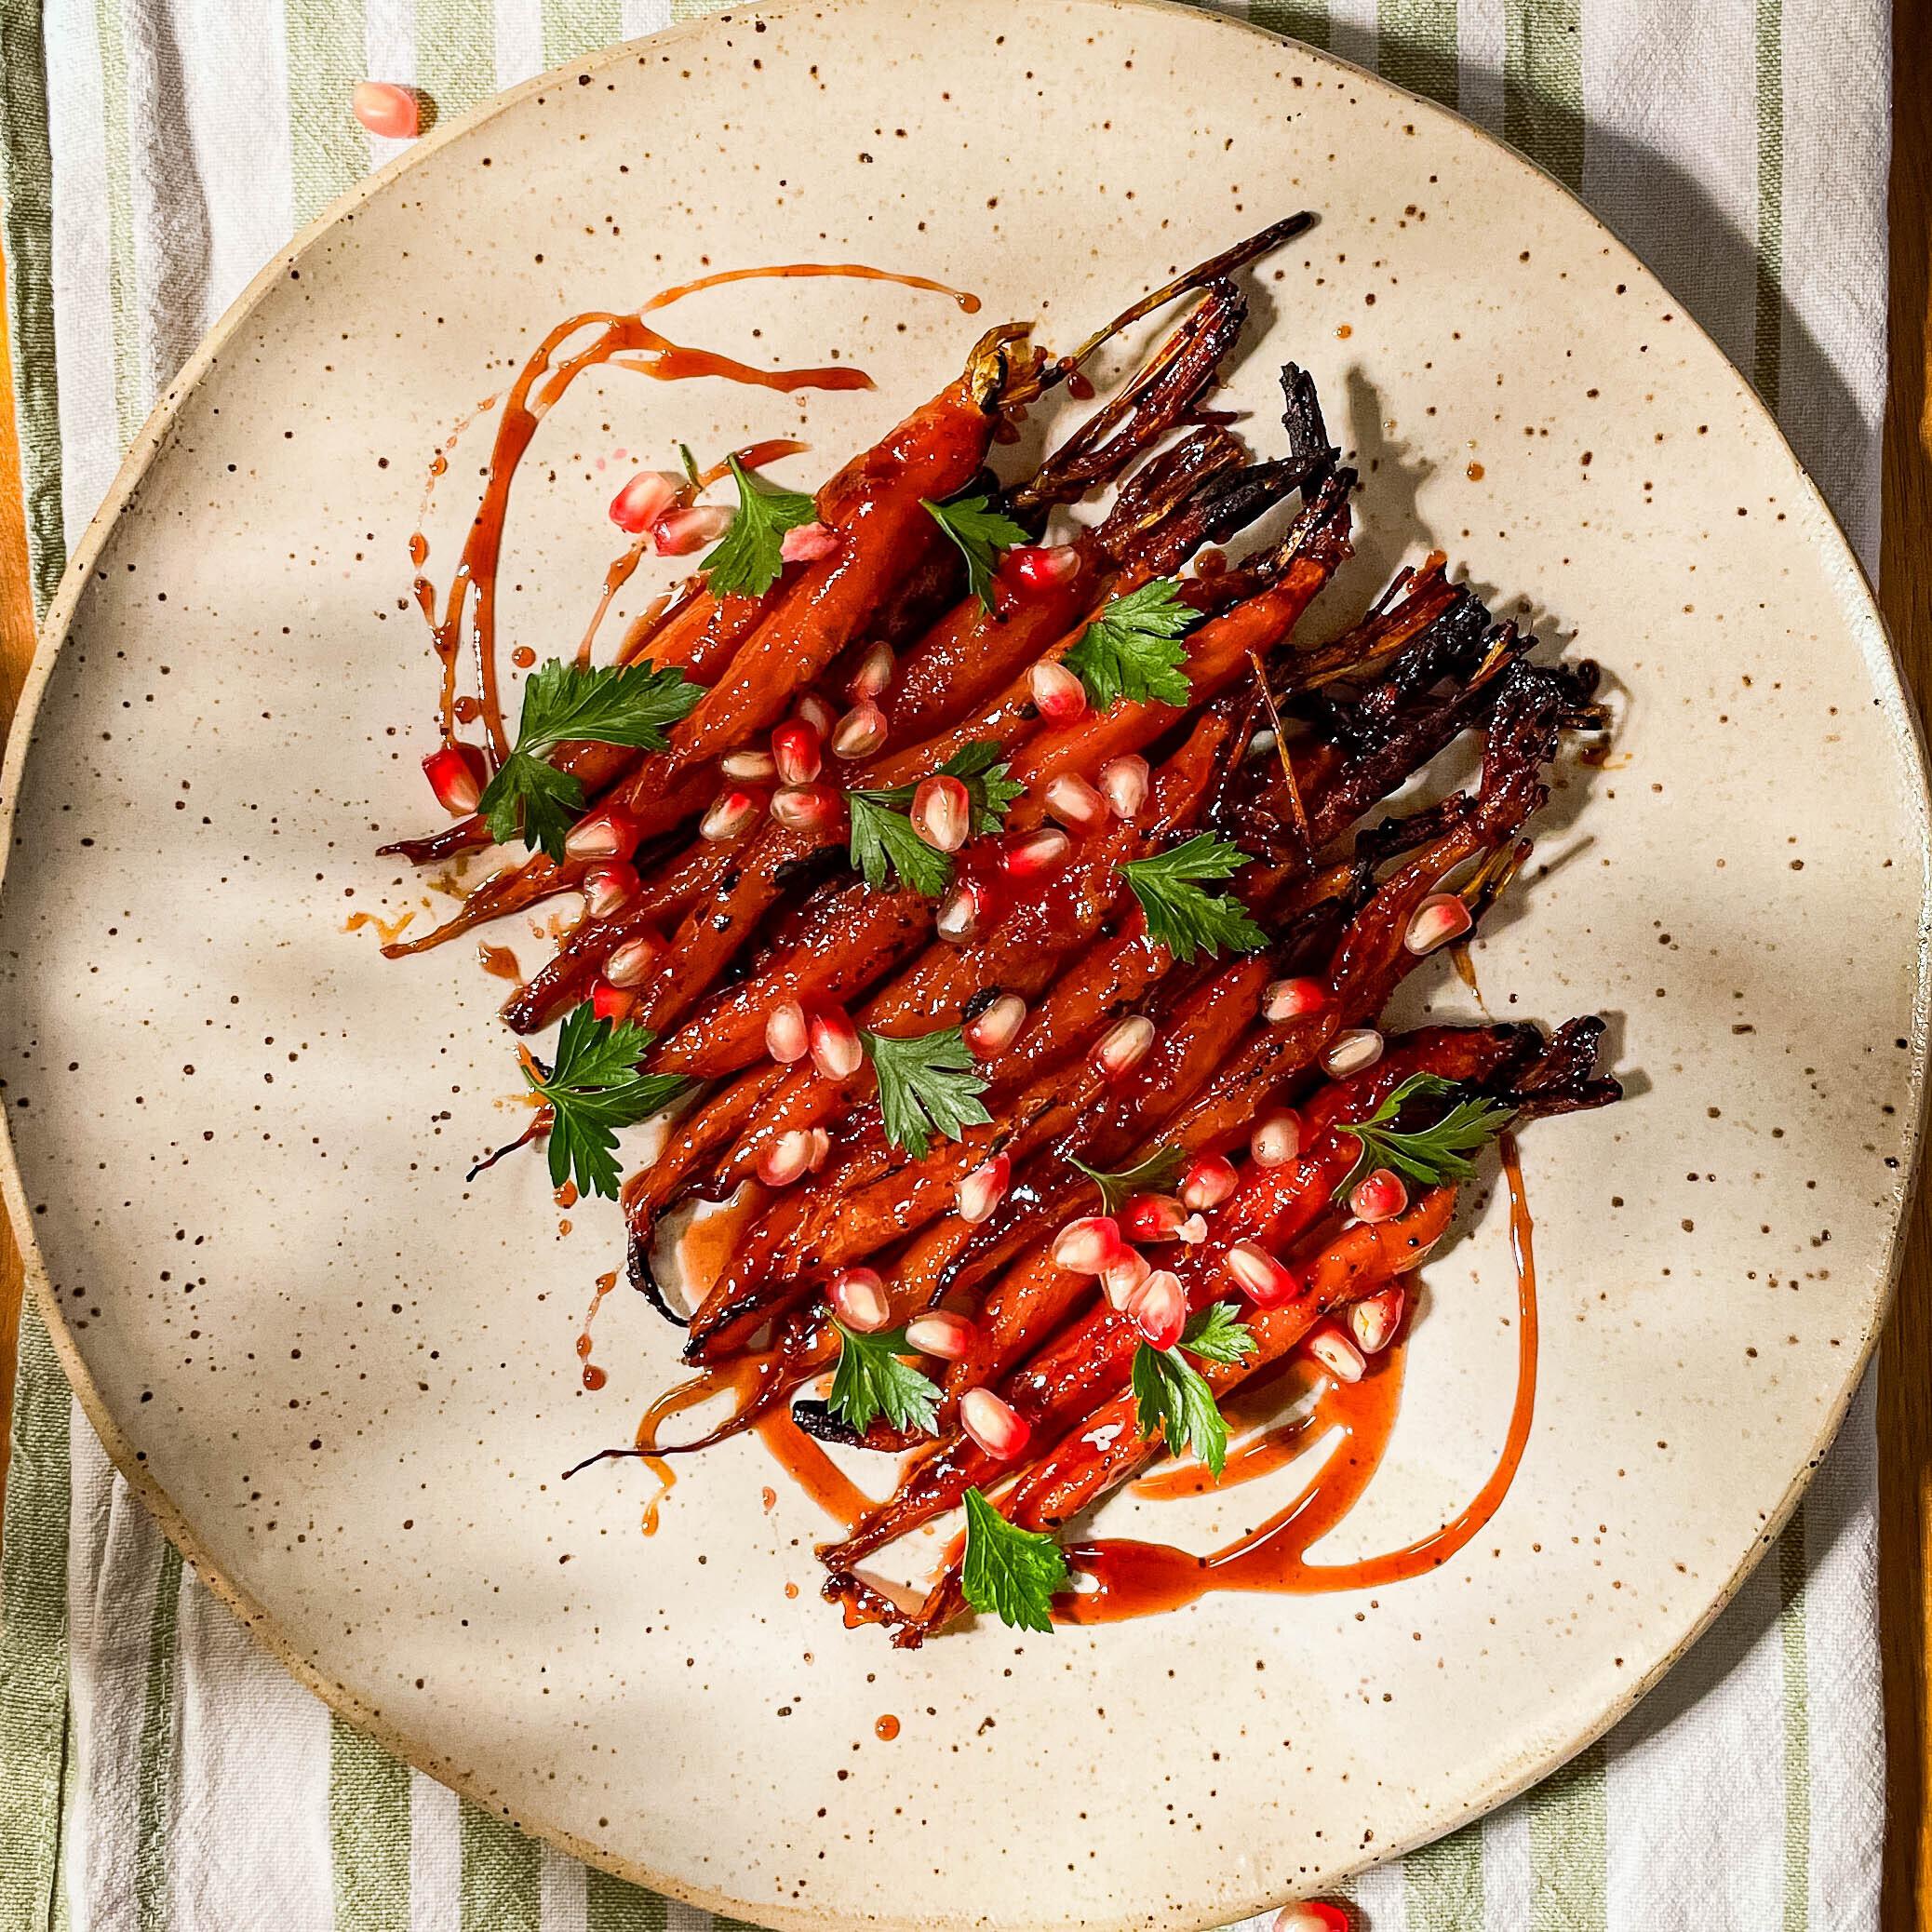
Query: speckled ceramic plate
x=346, y=1380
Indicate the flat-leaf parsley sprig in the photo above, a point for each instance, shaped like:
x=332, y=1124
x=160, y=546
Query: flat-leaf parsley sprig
x=882, y=840
x=592, y=1089
x=979, y=532
x=1180, y=915
x=1173, y=1395
x=1156, y=1175
x=872, y=1380
x=748, y=557
x=1133, y=650
x=928, y=1083
x=1009, y=1573
x=1430, y=1155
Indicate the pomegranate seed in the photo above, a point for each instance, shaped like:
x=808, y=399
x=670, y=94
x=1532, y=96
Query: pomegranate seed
x=957, y=920
x=755, y=766
x=1122, y=1275
x=643, y=499
x=820, y=1151
x=679, y=533
x=1059, y=694
x=457, y=776
x=1193, y=1231
x=1260, y=1277
x=786, y=1036
x=816, y=712
x=940, y=1334
x=835, y=1046
x=874, y=676
x=1291, y=998
x=1311, y=1916
x=942, y=813
x=607, y=833
x=807, y=807
x=1151, y=1217
x=1158, y=1309
x=608, y=889
x=1124, y=780
x=858, y=1298
x=1075, y=802
x=1124, y=1044
x=994, y=1030
x=1337, y=1354
x=731, y=812
x=631, y=964
x=997, y=1426
x=1039, y=566
x=1375, y=1321
x=1209, y=1180
x=980, y=1192
x=806, y=543
x=787, y=1158
x=1379, y=1197
x=1276, y=1140
x=1037, y=853
x=385, y=108
x=1438, y=919
x=608, y=1003
x=859, y=732
x=797, y=751
x=1352, y=1050
x=1086, y=1246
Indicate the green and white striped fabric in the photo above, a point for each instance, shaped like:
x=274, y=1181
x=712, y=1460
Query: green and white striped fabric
x=159, y=1773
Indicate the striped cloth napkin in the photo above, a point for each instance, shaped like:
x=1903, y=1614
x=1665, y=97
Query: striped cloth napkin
x=159, y=1773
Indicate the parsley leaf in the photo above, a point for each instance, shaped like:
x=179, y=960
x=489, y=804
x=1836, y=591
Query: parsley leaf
x=1173, y=1395
x=746, y=562
x=1430, y=1155
x=1180, y=916
x=926, y=1083
x=871, y=1380
x=978, y=529
x=882, y=840
x=593, y=1089
x=1153, y=1175
x=1009, y=1573
x=1132, y=649
x=617, y=705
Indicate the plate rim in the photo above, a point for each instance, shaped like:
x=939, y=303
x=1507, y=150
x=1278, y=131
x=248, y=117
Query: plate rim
x=1858, y=596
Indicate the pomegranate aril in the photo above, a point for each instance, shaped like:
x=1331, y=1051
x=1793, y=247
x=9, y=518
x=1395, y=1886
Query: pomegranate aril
x=1374, y=1321
x=994, y=1030
x=1074, y=802
x=981, y=1191
x=1352, y=1051
x=632, y=963
x=1260, y=1277
x=957, y=919
x=609, y=833
x=874, y=676
x=1086, y=1246
x=1311, y=1916
x=1378, y=1196
x=996, y=1426
x=1437, y=921
x=1039, y=566
x=942, y=813
x=858, y=1298
x=1292, y=998
x=608, y=1003
x=807, y=807
x=1060, y=696
x=1124, y=1044
x=679, y=533
x=754, y=766
x=1124, y=781
x=819, y=1150
x=859, y=732
x=385, y=108
x=731, y=812
x=1123, y=1274
x=816, y=712
x=787, y=1158
x=797, y=751
x=786, y=1036
x=1036, y=853
x=1337, y=1354
x=1151, y=1217
x=1276, y=1140
x=643, y=499
x=835, y=1045
x=1209, y=1180
x=806, y=543
x=942, y=1333
x=608, y=889
x=1193, y=1231
x=457, y=775
x=1158, y=1309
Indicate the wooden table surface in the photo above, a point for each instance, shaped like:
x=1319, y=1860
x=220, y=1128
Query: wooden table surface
x=1905, y=1359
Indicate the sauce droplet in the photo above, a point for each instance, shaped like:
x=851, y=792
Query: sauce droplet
x=499, y=962
x=1474, y=472
x=1343, y=331
x=887, y=1728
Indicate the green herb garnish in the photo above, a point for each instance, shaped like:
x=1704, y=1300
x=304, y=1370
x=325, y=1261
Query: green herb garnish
x=1430, y=1155
x=979, y=531
x=1180, y=916
x=1009, y=1573
x=1173, y=1395
x=1132, y=649
x=871, y=1380
x=746, y=561
x=593, y=1089
x=927, y=1084
x=882, y=840
x=1153, y=1175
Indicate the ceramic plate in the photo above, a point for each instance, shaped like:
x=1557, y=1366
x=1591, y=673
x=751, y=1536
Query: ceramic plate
x=346, y=1378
